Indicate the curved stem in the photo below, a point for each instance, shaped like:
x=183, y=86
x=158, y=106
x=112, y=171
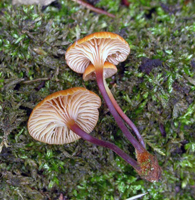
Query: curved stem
x=100, y=82
x=123, y=115
x=76, y=129
x=97, y=10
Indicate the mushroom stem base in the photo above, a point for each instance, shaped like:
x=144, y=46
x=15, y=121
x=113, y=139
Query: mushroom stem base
x=150, y=169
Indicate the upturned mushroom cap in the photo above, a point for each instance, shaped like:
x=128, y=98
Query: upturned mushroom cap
x=109, y=70
x=49, y=120
x=96, y=48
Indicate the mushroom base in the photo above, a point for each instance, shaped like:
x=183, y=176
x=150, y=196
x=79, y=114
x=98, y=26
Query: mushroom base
x=150, y=169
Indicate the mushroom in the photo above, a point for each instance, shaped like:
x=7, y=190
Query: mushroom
x=96, y=49
x=48, y=119
x=67, y=115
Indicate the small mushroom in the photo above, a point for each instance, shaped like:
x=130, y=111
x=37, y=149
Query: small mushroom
x=65, y=116
x=50, y=120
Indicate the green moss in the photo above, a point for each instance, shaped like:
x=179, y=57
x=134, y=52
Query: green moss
x=161, y=103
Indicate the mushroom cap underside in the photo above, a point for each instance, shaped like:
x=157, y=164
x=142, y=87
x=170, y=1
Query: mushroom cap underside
x=49, y=120
x=96, y=48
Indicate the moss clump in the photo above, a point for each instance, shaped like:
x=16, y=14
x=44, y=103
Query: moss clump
x=160, y=102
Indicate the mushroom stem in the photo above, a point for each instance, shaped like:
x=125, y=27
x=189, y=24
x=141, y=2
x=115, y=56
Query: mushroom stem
x=123, y=115
x=76, y=129
x=100, y=81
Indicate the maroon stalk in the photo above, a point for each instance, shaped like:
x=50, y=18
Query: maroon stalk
x=100, y=82
x=147, y=166
x=124, y=116
x=76, y=129
x=150, y=169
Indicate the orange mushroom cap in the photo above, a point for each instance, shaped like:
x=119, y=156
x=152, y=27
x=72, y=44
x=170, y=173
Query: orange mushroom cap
x=109, y=70
x=96, y=48
x=49, y=120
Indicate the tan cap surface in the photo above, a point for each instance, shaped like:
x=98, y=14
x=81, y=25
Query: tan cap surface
x=96, y=48
x=48, y=120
